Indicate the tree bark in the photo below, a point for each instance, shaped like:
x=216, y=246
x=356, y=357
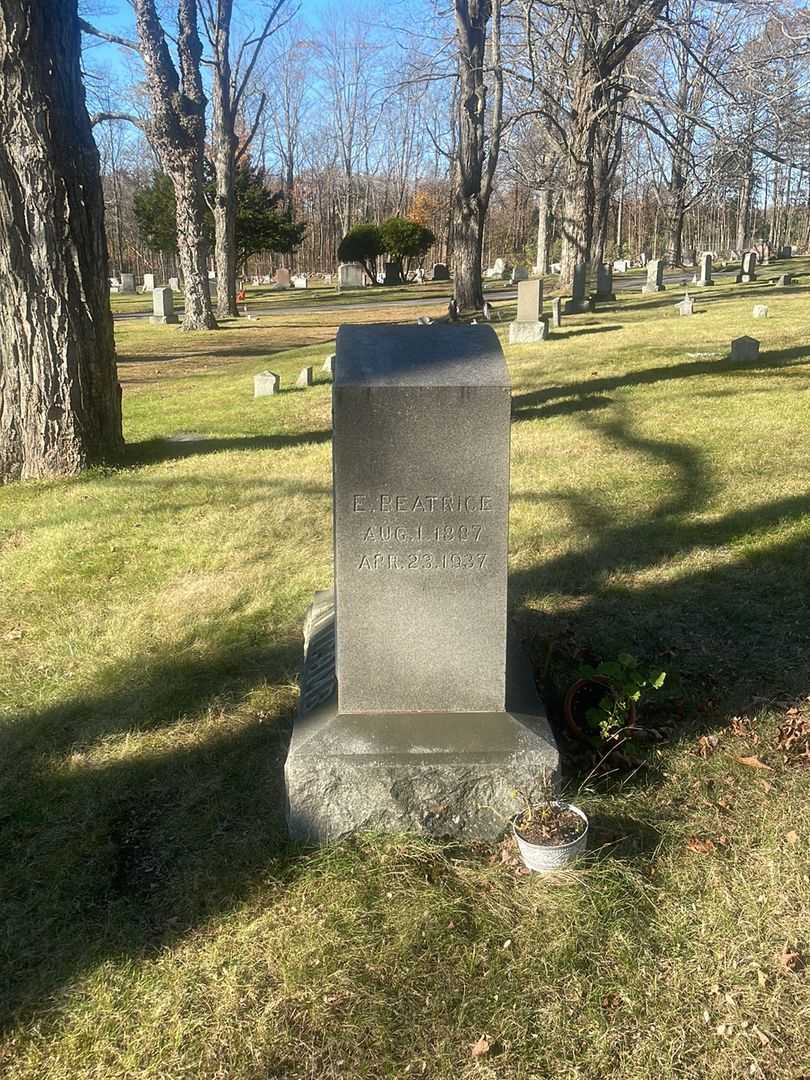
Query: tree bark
x=224, y=140
x=177, y=131
x=475, y=162
x=543, y=216
x=60, y=405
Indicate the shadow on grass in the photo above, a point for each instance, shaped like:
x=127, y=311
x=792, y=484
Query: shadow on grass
x=111, y=851
x=720, y=601
x=150, y=451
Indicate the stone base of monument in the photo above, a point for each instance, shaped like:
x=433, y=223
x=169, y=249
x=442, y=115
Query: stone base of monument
x=572, y=307
x=162, y=320
x=438, y=774
x=521, y=333
x=646, y=289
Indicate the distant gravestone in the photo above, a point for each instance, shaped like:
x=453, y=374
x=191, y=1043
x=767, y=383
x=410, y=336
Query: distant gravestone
x=162, y=306
x=488, y=311
x=500, y=268
x=604, y=282
x=786, y=252
x=351, y=276
x=744, y=349
x=127, y=283
x=440, y=272
x=392, y=275
x=686, y=306
x=556, y=268
x=266, y=383
x=621, y=266
x=148, y=282
x=655, y=277
x=784, y=280
x=556, y=312
x=520, y=273
x=529, y=325
x=174, y=284
x=282, y=278
x=435, y=722
x=305, y=377
x=300, y=282
x=760, y=311
x=705, y=272
x=452, y=310
x=329, y=365
x=578, y=302
x=748, y=271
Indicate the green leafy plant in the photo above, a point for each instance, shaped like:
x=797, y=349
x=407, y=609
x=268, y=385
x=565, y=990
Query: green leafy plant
x=627, y=680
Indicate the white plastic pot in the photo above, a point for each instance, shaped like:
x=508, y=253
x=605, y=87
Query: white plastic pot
x=542, y=858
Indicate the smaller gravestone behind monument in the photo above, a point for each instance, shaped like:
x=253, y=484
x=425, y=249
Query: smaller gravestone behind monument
x=529, y=325
x=655, y=277
x=351, y=276
x=266, y=383
x=578, y=304
x=748, y=272
x=329, y=365
x=556, y=312
x=148, y=282
x=744, y=349
x=305, y=377
x=520, y=273
x=282, y=278
x=440, y=272
x=686, y=306
x=784, y=280
x=704, y=277
x=162, y=306
x=392, y=275
x=604, y=282
x=174, y=284
x=127, y=283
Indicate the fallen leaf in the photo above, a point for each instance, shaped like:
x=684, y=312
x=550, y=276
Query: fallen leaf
x=762, y=978
x=753, y=762
x=482, y=1047
x=766, y=787
x=789, y=960
x=702, y=847
x=707, y=744
x=792, y=837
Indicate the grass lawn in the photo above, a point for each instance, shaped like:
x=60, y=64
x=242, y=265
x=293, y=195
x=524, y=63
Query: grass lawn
x=154, y=923
x=318, y=295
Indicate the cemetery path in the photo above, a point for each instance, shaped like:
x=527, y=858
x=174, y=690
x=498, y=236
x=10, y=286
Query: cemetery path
x=622, y=284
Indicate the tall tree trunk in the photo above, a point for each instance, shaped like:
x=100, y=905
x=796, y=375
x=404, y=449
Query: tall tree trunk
x=224, y=140
x=744, y=207
x=476, y=163
x=543, y=215
x=60, y=406
x=177, y=131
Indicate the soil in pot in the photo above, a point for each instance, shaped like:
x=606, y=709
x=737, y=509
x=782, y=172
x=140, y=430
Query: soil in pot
x=550, y=826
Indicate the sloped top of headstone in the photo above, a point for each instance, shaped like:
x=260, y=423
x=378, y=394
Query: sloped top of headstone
x=442, y=355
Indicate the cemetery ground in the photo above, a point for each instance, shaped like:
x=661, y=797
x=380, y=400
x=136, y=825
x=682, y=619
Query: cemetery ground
x=155, y=925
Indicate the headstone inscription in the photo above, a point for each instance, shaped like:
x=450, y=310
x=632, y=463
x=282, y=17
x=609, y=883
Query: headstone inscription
x=162, y=306
x=433, y=724
x=266, y=383
x=705, y=273
x=655, y=277
x=529, y=324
